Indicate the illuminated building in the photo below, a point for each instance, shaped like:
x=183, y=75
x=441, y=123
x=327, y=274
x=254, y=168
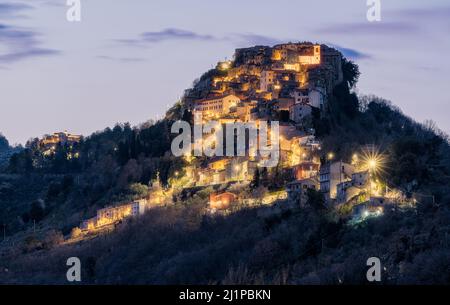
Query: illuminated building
x=267, y=80
x=313, y=59
x=219, y=165
x=279, y=54
x=372, y=208
x=224, y=65
x=292, y=67
x=244, y=110
x=50, y=142
x=216, y=106
x=222, y=201
x=306, y=169
x=60, y=137
x=316, y=97
x=333, y=173
x=112, y=215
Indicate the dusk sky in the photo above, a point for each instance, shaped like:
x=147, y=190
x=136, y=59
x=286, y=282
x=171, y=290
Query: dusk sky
x=128, y=60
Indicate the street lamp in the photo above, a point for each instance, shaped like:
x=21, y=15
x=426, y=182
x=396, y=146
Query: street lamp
x=372, y=164
x=330, y=156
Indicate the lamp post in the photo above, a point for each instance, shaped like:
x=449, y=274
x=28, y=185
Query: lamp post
x=372, y=164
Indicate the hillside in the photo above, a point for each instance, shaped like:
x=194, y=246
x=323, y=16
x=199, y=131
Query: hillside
x=6, y=151
x=356, y=178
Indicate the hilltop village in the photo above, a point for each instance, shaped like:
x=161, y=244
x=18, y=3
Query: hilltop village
x=290, y=83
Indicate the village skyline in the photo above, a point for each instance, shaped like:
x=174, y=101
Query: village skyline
x=118, y=64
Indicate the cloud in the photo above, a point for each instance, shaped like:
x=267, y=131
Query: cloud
x=9, y=10
x=407, y=22
x=350, y=53
x=19, y=44
x=174, y=34
x=169, y=34
x=255, y=39
x=369, y=28
x=249, y=39
x=238, y=39
x=121, y=59
x=430, y=13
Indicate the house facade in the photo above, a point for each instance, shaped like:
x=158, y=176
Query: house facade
x=216, y=106
x=331, y=174
x=298, y=190
x=222, y=201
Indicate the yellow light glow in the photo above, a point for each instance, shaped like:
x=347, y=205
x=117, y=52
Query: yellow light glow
x=373, y=161
x=225, y=65
x=355, y=160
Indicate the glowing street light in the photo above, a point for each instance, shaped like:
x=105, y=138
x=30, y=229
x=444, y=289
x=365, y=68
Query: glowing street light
x=225, y=65
x=372, y=164
x=330, y=156
x=373, y=161
x=355, y=159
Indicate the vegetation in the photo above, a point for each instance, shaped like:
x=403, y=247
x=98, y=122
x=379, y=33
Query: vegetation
x=181, y=244
x=4, y=144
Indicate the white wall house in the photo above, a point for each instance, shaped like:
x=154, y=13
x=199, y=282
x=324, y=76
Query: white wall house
x=216, y=106
x=317, y=97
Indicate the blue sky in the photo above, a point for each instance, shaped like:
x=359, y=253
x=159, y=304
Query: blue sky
x=128, y=60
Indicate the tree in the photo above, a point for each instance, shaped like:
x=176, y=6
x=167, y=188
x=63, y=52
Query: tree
x=37, y=211
x=76, y=232
x=4, y=144
x=316, y=200
x=350, y=72
x=347, y=102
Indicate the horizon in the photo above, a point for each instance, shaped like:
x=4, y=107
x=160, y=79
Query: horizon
x=137, y=69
